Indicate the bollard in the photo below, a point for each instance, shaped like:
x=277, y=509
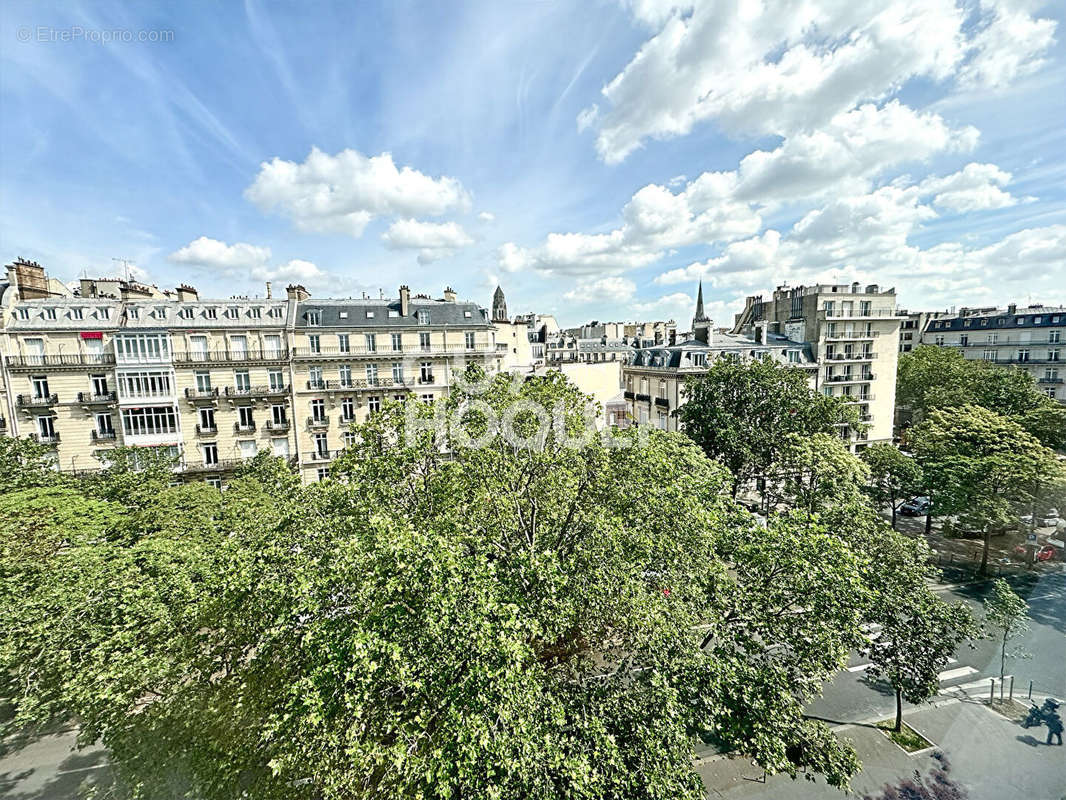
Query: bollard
x=992, y=691
x=1002, y=686
x=1030, y=690
x=1011, y=695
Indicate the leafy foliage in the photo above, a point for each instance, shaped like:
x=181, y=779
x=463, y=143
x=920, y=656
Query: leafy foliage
x=740, y=412
x=894, y=476
x=1008, y=615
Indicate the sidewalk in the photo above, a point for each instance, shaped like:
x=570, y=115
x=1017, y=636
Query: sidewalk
x=990, y=756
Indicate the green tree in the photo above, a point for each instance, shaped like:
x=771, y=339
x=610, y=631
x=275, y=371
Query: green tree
x=814, y=473
x=1008, y=615
x=516, y=620
x=25, y=463
x=894, y=476
x=980, y=467
x=930, y=378
x=740, y=412
x=917, y=632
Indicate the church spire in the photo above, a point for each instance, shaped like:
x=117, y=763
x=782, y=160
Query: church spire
x=700, y=315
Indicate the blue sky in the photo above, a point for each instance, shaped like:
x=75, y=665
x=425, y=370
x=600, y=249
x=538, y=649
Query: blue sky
x=596, y=158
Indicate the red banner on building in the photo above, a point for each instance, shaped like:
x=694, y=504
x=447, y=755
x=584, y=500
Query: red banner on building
x=92, y=335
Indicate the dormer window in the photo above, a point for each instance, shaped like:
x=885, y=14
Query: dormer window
x=255, y=312
x=211, y=313
x=24, y=313
x=393, y=313
x=274, y=312
x=369, y=314
x=466, y=314
x=134, y=312
x=103, y=313
x=1036, y=320
x=49, y=313
x=343, y=314
x=161, y=312
x=233, y=312
x=423, y=317
x=314, y=317
x=76, y=313
x=185, y=313
x=1019, y=320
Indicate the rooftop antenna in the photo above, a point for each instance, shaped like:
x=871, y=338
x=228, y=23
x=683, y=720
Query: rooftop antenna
x=125, y=262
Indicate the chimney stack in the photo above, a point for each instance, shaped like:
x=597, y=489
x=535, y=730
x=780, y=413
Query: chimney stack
x=296, y=292
x=449, y=294
x=270, y=293
x=405, y=301
x=187, y=294
x=1012, y=308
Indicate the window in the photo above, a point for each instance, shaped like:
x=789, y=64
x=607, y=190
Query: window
x=347, y=409
x=1053, y=355
x=210, y=450
x=397, y=342
x=865, y=307
x=1037, y=320
x=198, y=344
x=247, y=448
x=345, y=373
x=160, y=312
x=210, y=313
x=343, y=343
x=467, y=314
x=277, y=416
x=46, y=428
x=133, y=312
x=349, y=438
x=279, y=447
x=76, y=313
x=662, y=421
x=393, y=313
x=373, y=403
x=423, y=341
x=938, y=340
x=397, y=372
x=314, y=317
x=1053, y=337
x=238, y=347
x=315, y=381
x=372, y=374
x=1023, y=354
x=423, y=317
x=318, y=410
x=207, y=419
x=993, y=338
x=255, y=312
x=425, y=372
x=427, y=398
x=99, y=385
x=272, y=345
x=105, y=426
x=49, y=313
x=245, y=420
x=469, y=340
x=276, y=379
x=343, y=314
x=241, y=380
x=989, y=355
x=144, y=385
x=149, y=421
x=233, y=312
x=140, y=347
x=964, y=340
x=214, y=481
x=369, y=314
x=203, y=382
x=371, y=342
x=185, y=313
x=40, y=387
x=1050, y=392
x=323, y=473
x=24, y=313
x=314, y=341
x=321, y=445
x=400, y=398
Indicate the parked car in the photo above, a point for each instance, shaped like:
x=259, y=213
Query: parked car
x=916, y=507
x=1049, y=519
x=1045, y=553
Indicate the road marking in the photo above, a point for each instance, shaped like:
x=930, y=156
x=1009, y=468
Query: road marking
x=859, y=667
x=982, y=684
x=958, y=672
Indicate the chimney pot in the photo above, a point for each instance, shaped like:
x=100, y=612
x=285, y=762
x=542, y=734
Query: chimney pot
x=405, y=300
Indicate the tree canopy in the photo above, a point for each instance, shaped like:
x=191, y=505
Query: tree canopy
x=739, y=413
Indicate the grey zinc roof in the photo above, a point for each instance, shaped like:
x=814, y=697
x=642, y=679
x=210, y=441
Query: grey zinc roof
x=441, y=313
x=1000, y=319
x=678, y=356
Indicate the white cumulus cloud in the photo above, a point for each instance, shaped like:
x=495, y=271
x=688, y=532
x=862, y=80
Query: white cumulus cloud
x=433, y=240
x=342, y=193
x=612, y=289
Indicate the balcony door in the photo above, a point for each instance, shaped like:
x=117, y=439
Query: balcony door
x=238, y=347
x=198, y=346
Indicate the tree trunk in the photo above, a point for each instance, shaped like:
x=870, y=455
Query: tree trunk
x=984, y=553
x=928, y=524
x=893, y=516
x=1003, y=658
x=899, y=711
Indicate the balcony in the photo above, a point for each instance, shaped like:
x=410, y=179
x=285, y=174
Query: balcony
x=277, y=425
x=238, y=428
x=643, y=398
x=255, y=391
x=206, y=430
x=425, y=380
x=873, y=313
x=318, y=422
x=231, y=356
x=91, y=399
x=662, y=402
x=75, y=360
x=52, y=438
x=865, y=376
x=338, y=354
x=628, y=394
x=194, y=394
x=355, y=384
x=34, y=401
x=862, y=355
x=212, y=466
x=851, y=336
x=103, y=436
x=320, y=455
